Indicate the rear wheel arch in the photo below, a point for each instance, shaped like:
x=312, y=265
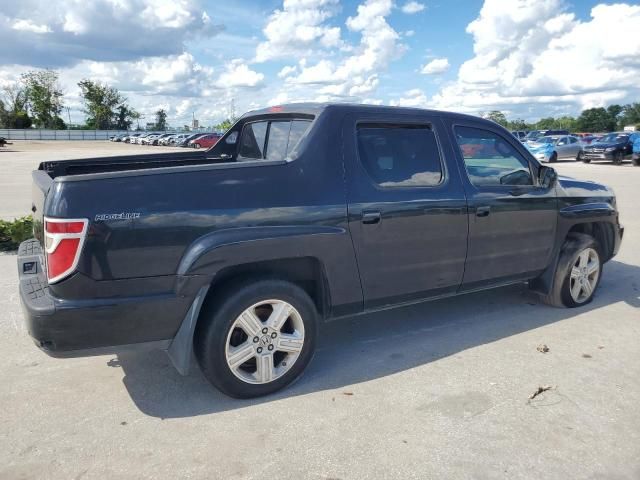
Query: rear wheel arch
x=306, y=272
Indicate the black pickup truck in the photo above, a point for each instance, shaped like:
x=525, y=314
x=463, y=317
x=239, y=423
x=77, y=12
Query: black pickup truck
x=300, y=214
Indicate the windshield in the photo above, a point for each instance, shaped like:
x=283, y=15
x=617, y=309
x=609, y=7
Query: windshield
x=533, y=135
x=614, y=137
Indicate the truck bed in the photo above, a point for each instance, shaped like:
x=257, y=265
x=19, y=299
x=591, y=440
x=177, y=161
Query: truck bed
x=124, y=163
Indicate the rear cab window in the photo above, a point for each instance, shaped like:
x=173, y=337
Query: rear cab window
x=271, y=139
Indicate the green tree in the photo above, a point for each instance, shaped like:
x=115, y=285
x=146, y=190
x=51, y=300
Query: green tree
x=518, y=124
x=15, y=107
x=161, y=120
x=614, y=111
x=545, y=123
x=498, y=117
x=224, y=125
x=596, y=120
x=44, y=97
x=125, y=116
x=630, y=115
x=101, y=103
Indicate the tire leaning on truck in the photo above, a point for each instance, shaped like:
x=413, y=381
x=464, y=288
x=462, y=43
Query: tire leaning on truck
x=252, y=327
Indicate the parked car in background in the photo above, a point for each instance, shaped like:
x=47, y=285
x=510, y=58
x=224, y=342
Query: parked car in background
x=156, y=140
x=176, y=139
x=300, y=214
x=186, y=140
x=519, y=134
x=554, y=147
x=635, y=151
x=614, y=147
x=534, y=135
x=149, y=139
x=205, y=141
x=129, y=138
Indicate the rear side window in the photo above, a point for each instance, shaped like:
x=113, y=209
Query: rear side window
x=271, y=139
x=400, y=155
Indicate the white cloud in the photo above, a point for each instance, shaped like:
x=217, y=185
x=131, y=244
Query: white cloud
x=412, y=7
x=436, y=66
x=299, y=29
x=412, y=98
x=238, y=74
x=99, y=30
x=357, y=74
x=409, y=33
x=287, y=70
x=29, y=26
x=532, y=56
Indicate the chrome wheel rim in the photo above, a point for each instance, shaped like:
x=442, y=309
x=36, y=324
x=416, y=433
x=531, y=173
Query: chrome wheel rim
x=264, y=341
x=584, y=275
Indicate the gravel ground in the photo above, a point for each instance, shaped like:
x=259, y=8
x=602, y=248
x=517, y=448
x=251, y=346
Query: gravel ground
x=439, y=390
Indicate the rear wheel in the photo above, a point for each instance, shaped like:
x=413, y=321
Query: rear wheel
x=577, y=274
x=258, y=339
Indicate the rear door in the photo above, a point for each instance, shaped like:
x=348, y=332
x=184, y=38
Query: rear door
x=407, y=208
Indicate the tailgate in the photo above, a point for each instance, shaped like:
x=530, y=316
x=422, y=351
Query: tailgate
x=41, y=184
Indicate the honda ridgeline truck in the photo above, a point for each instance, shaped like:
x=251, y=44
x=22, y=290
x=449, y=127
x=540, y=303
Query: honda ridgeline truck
x=299, y=214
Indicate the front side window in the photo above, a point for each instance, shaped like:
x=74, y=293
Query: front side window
x=400, y=155
x=490, y=160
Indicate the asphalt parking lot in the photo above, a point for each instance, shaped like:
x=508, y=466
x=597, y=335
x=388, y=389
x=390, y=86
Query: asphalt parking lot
x=438, y=390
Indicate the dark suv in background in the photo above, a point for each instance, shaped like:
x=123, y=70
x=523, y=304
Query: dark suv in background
x=614, y=147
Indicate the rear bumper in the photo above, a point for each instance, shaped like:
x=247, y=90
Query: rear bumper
x=71, y=328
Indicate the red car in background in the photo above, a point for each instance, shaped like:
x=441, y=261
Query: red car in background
x=205, y=141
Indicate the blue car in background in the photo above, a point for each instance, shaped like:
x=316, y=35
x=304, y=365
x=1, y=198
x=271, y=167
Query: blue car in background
x=635, y=155
x=553, y=147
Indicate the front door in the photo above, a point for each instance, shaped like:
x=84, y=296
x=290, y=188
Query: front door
x=512, y=220
x=407, y=208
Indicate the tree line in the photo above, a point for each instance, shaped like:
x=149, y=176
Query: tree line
x=37, y=100
x=592, y=120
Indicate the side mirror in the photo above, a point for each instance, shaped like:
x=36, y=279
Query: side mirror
x=547, y=177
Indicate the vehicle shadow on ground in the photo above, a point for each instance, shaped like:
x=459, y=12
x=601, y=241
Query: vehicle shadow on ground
x=371, y=346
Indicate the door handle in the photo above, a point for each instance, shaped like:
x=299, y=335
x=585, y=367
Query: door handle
x=483, y=211
x=370, y=218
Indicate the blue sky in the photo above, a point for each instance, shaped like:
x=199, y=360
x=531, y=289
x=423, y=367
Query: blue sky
x=529, y=58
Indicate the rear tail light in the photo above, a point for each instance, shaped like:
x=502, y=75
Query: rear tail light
x=63, y=244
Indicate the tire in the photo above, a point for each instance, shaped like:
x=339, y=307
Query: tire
x=225, y=326
x=565, y=277
x=196, y=145
x=580, y=156
x=636, y=161
x=618, y=158
x=586, y=160
x=553, y=158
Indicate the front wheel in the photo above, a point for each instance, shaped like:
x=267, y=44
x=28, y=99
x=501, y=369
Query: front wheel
x=577, y=274
x=196, y=145
x=258, y=339
x=580, y=157
x=553, y=158
x=636, y=160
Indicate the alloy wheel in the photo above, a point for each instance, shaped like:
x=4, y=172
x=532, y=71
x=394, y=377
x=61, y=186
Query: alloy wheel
x=264, y=341
x=584, y=275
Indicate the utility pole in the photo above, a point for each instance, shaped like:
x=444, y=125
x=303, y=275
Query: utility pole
x=68, y=117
